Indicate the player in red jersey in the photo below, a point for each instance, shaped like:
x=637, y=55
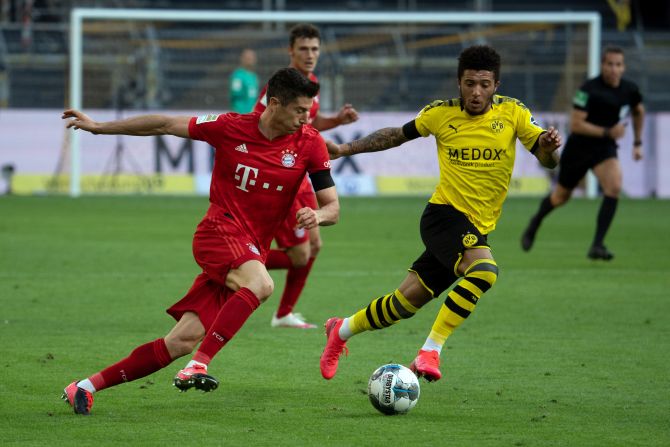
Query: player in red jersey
x=261, y=160
x=297, y=248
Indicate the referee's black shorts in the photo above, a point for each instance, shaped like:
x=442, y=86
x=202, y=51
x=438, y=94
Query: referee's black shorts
x=446, y=234
x=581, y=154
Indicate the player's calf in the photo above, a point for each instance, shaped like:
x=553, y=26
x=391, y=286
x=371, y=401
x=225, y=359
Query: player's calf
x=459, y=304
x=383, y=312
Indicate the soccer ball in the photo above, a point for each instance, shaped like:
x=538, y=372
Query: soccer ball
x=393, y=389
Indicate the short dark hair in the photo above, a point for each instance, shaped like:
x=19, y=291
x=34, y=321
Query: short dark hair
x=287, y=84
x=479, y=57
x=611, y=49
x=303, y=31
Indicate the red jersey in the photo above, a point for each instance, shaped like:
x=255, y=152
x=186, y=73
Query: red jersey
x=255, y=180
x=262, y=102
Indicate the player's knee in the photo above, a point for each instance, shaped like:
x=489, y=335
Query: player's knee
x=262, y=288
x=559, y=198
x=493, y=277
x=315, y=247
x=486, y=273
x=299, y=258
x=612, y=190
x=302, y=260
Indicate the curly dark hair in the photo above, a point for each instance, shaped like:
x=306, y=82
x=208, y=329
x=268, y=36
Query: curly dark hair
x=479, y=57
x=287, y=84
x=303, y=31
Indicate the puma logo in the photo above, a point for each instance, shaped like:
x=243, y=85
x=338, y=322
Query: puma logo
x=455, y=129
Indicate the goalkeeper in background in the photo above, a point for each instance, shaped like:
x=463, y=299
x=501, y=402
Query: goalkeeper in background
x=476, y=138
x=244, y=83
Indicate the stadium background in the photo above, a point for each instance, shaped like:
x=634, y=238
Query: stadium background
x=387, y=72
x=562, y=352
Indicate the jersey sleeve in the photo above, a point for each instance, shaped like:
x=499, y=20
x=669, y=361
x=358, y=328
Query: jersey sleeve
x=262, y=102
x=208, y=128
x=425, y=119
x=635, y=96
x=527, y=129
x=318, y=155
x=581, y=98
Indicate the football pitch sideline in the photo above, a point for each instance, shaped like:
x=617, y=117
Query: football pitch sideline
x=563, y=351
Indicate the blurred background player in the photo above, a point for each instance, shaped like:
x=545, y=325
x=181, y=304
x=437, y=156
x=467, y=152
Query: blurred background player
x=251, y=192
x=464, y=209
x=601, y=106
x=298, y=248
x=244, y=83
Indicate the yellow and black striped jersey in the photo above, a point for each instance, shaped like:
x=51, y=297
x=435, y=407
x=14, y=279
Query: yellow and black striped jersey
x=476, y=154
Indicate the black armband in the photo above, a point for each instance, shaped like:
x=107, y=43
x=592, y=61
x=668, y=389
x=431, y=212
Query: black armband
x=410, y=131
x=321, y=179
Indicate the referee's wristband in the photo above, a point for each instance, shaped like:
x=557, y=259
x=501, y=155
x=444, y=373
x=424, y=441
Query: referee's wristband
x=637, y=143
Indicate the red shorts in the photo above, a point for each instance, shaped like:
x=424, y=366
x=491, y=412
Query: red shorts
x=288, y=234
x=218, y=247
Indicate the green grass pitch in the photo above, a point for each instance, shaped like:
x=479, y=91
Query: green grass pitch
x=563, y=351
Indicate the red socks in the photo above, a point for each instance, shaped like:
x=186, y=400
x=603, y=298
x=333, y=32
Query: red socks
x=143, y=361
x=277, y=259
x=295, y=282
x=228, y=321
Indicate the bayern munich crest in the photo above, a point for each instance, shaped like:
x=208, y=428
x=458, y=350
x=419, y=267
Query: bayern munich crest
x=288, y=158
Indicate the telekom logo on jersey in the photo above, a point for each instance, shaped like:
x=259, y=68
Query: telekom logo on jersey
x=247, y=176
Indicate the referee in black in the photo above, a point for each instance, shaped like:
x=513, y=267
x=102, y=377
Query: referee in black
x=601, y=106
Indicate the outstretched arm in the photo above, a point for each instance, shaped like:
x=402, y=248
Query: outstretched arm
x=143, y=125
x=379, y=140
x=545, y=148
x=346, y=115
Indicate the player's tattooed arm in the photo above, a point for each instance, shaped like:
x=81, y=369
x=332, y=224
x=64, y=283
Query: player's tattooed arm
x=379, y=140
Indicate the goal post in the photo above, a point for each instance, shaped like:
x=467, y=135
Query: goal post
x=79, y=16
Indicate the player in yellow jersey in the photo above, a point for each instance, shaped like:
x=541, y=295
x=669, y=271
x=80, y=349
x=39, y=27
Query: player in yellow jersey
x=476, y=138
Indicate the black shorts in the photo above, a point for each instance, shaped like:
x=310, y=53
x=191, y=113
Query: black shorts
x=446, y=233
x=580, y=155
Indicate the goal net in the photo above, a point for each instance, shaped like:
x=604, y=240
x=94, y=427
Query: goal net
x=388, y=65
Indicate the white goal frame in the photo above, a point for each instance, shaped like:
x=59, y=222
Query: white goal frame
x=79, y=15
